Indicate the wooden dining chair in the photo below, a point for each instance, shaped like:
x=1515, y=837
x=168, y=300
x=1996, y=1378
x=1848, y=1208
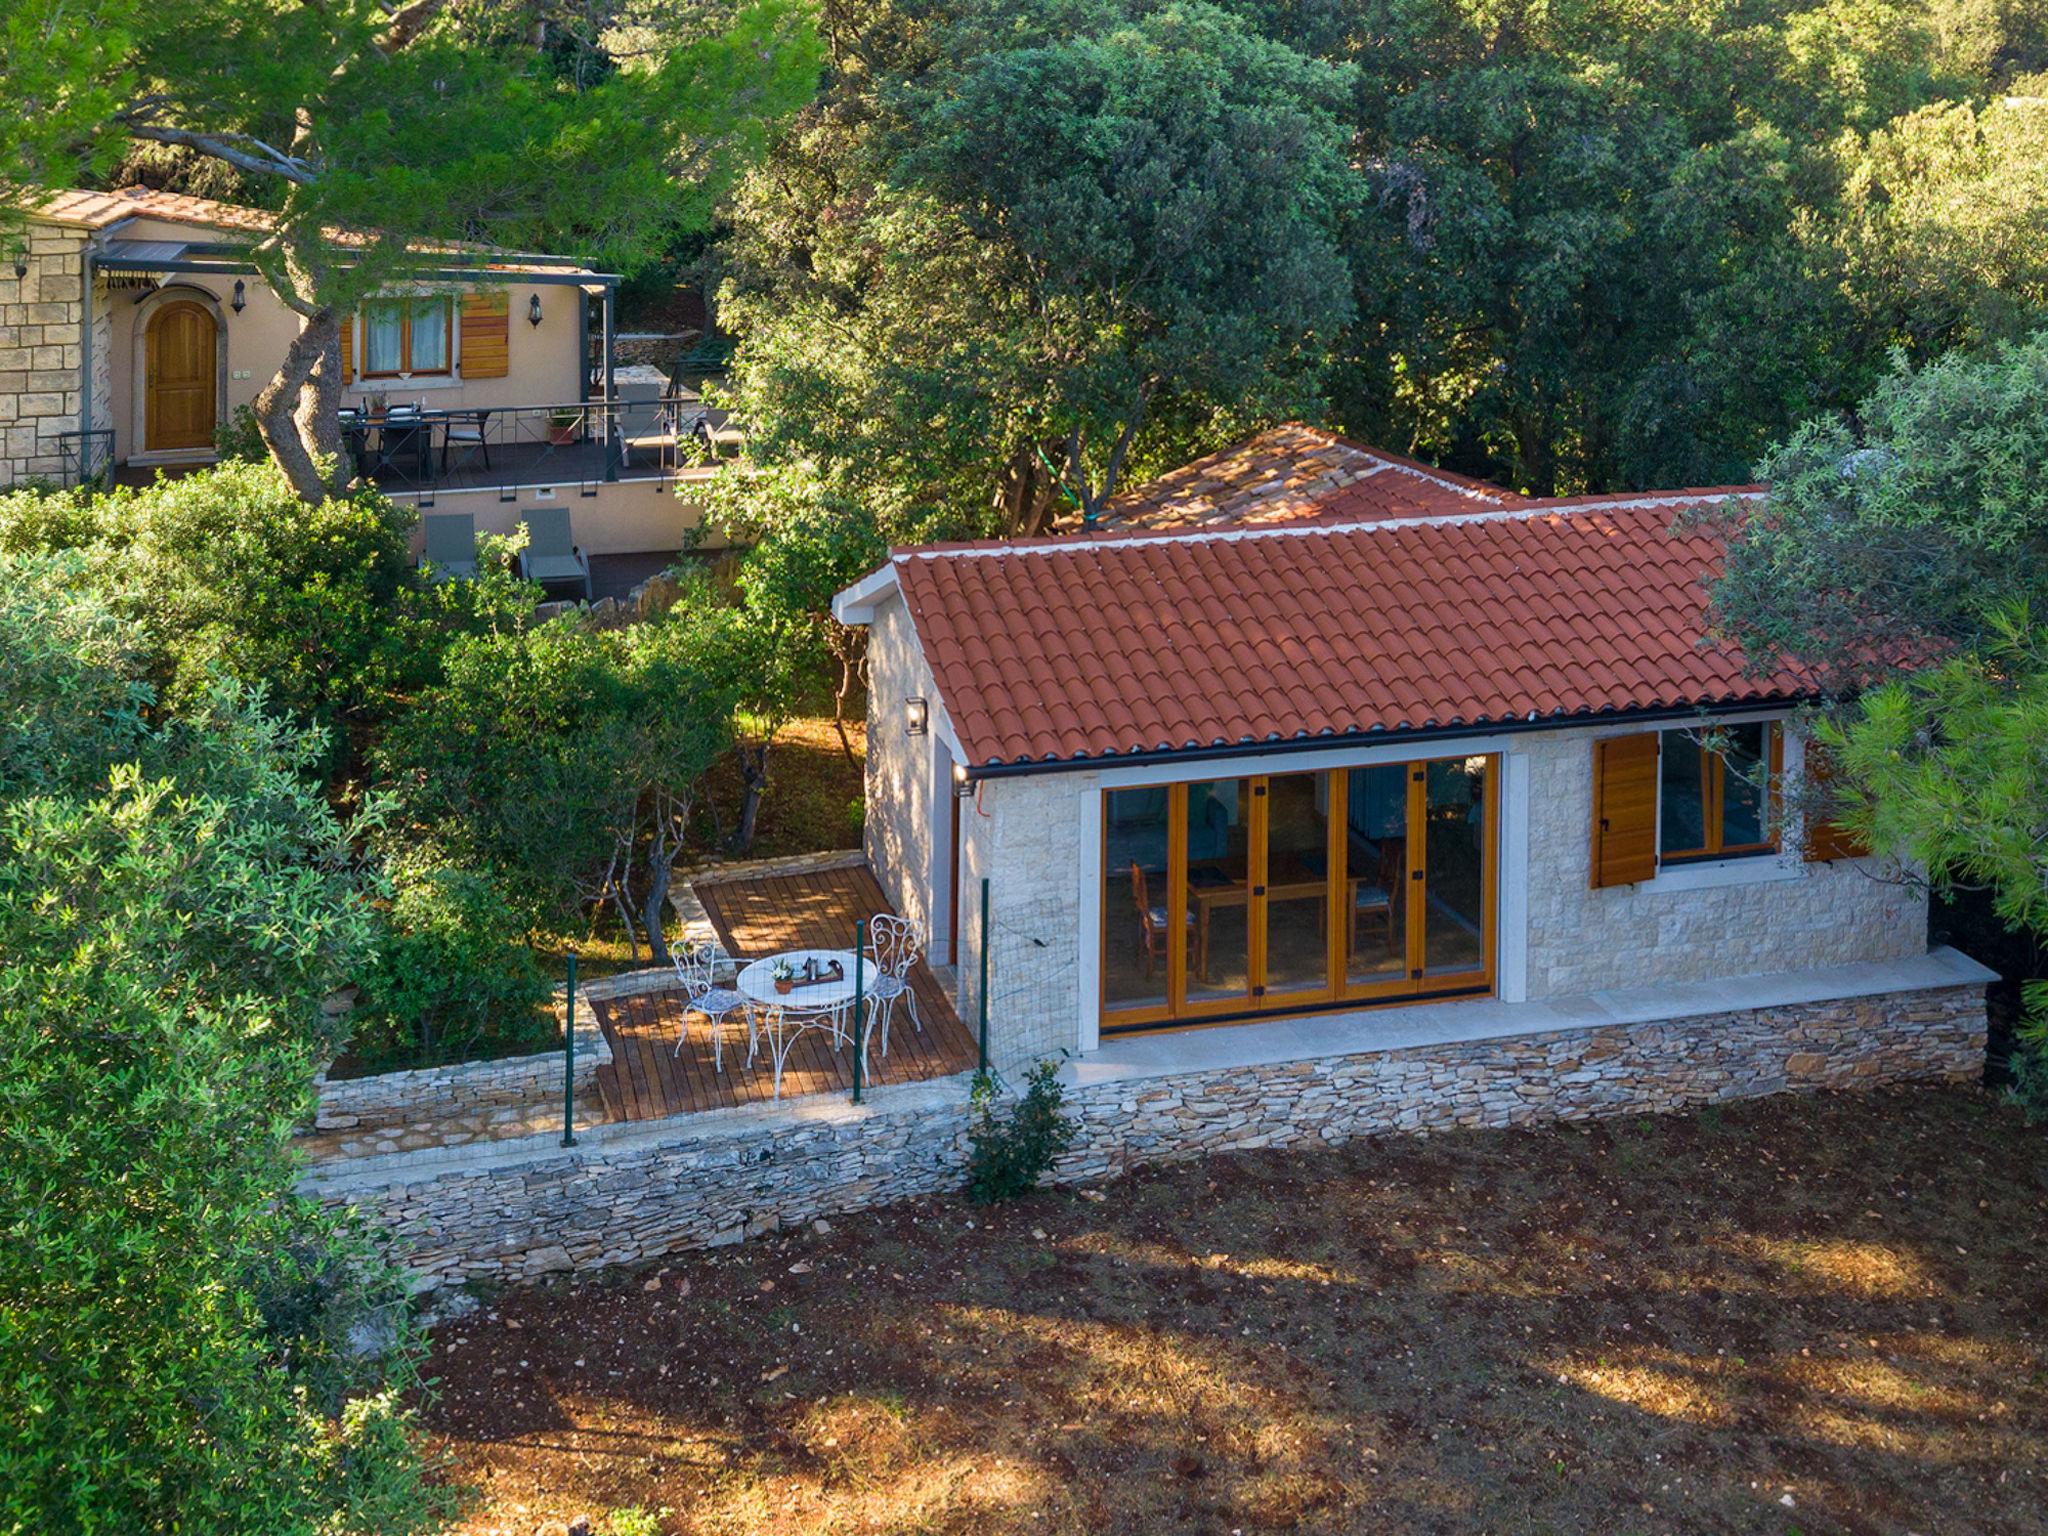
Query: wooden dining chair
x=1379, y=900
x=1152, y=922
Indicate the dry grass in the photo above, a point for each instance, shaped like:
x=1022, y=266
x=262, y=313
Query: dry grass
x=1668, y=1325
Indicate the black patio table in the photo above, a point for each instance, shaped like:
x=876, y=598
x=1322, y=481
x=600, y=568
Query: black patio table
x=409, y=437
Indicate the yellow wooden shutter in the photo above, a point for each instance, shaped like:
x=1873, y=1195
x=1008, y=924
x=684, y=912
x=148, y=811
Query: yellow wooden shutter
x=348, y=349
x=1625, y=809
x=486, y=334
x=1826, y=839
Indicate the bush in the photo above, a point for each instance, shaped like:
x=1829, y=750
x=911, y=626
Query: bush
x=188, y=1343
x=2029, y=1063
x=238, y=440
x=1007, y=1158
x=452, y=977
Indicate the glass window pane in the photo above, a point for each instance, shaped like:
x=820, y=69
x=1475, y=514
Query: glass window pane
x=1742, y=785
x=1683, y=813
x=1297, y=883
x=381, y=352
x=1136, y=936
x=1456, y=833
x=1219, y=889
x=1376, y=871
x=429, y=335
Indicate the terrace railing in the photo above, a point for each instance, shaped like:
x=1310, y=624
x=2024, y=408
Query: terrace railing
x=419, y=449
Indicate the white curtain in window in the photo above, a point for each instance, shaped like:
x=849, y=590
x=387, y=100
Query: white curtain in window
x=429, y=335
x=381, y=347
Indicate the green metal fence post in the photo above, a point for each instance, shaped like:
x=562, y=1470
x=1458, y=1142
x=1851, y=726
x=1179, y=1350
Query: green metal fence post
x=860, y=1026
x=569, y=1059
x=981, y=992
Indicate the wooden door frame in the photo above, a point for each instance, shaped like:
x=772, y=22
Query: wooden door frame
x=139, y=451
x=1338, y=994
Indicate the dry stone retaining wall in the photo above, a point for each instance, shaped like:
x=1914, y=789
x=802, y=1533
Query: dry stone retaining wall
x=514, y=1212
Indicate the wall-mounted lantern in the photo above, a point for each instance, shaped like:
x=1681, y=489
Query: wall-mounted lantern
x=240, y=301
x=960, y=784
x=533, y=311
x=20, y=268
x=917, y=716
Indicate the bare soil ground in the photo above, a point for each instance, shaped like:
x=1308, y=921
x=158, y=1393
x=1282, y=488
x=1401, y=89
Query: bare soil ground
x=1795, y=1315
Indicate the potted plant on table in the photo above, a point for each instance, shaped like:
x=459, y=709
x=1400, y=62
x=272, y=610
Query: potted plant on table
x=784, y=976
x=563, y=426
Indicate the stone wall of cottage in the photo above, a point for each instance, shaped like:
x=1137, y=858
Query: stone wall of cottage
x=42, y=332
x=898, y=833
x=1584, y=940
x=1025, y=835
x=517, y=1211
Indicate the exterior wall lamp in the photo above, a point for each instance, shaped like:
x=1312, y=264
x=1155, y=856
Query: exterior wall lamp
x=533, y=311
x=917, y=715
x=20, y=268
x=960, y=784
x=241, y=298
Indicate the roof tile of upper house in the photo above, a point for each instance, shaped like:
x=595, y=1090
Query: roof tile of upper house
x=101, y=210
x=1297, y=473
x=98, y=211
x=1254, y=633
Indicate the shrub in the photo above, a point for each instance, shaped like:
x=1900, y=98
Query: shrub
x=238, y=440
x=188, y=1343
x=1006, y=1158
x=451, y=977
x=2029, y=1063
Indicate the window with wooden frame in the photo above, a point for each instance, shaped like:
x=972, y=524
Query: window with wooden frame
x=408, y=338
x=1714, y=792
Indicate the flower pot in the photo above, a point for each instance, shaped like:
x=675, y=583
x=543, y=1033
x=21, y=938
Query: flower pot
x=784, y=985
x=562, y=436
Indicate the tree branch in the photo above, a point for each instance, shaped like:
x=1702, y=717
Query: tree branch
x=238, y=149
x=408, y=21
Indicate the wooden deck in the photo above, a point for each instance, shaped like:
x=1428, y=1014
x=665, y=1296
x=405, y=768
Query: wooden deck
x=647, y=1080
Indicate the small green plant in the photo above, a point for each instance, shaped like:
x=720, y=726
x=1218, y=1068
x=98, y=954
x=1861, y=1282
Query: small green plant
x=2029, y=1063
x=239, y=439
x=1007, y=1157
x=633, y=1521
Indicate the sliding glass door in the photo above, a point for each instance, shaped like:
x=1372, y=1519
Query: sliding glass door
x=1232, y=897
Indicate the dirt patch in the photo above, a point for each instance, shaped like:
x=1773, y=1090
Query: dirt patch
x=1797, y=1315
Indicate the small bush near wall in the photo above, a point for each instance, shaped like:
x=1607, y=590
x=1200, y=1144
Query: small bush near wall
x=452, y=978
x=1007, y=1157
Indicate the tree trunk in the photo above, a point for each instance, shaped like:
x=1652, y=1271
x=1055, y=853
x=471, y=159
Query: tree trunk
x=846, y=647
x=296, y=410
x=753, y=759
x=1025, y=494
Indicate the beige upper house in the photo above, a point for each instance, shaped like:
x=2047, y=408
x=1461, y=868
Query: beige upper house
x=134, y=325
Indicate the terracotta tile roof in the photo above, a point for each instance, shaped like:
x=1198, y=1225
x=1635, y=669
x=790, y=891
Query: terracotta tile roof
x=1063, y=649
x=1297, y=473
x=99, y=210
x=102, y=210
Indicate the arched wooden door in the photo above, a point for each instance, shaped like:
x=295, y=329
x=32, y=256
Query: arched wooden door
x=180, y=381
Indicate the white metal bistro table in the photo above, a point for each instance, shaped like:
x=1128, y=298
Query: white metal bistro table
x=807, y=1005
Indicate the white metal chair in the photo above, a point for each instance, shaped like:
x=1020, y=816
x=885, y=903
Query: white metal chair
x=897, y=944
x=697, y=969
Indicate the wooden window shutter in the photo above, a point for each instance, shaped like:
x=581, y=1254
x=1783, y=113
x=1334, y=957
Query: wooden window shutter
x=1625, y=809
x=348, y=348
x=486, y=334
x=1826, y=839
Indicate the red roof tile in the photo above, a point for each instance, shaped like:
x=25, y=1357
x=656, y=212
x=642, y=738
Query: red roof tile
x=1073, y=649
x=1297, y=473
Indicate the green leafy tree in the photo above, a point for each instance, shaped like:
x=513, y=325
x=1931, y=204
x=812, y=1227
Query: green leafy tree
x=376, y=127
x=1006, y=244
x=565, y=759
x=189, y=1344
x=1904, y=558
